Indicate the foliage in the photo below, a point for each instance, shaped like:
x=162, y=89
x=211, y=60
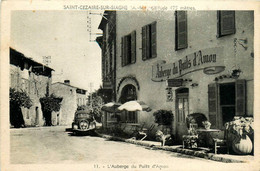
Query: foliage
x=19, y=98
x=163, y=117
x=105, y=94
x=196, y=118
x=190, y=141
x=82, y=107
x=51, y=103
x=206, y=124
x=241, y=126
x=95, y=104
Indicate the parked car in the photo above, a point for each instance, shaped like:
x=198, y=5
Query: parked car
x=83, y=122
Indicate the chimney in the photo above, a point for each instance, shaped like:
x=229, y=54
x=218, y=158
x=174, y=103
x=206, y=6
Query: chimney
x=67, y=82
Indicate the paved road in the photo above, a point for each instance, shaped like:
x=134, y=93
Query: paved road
x=52, y=145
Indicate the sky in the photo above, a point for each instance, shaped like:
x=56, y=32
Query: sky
x=63, y=35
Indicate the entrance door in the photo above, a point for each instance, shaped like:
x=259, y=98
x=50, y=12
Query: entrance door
x=182, y=107
x=36, y=116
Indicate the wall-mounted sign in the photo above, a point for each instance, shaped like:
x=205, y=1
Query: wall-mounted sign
x=107, y=85
x=169, y=95
x=174, y=82
x=202, y=59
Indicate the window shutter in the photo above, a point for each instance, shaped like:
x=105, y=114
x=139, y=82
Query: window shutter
x=127, y=50
x=148, y=41
x=133, y=47
x=144, y=41
x=213, y=103
x=122, y=52
x=181, y=30
x=226, y=23
x=153, y=39
x=240, y=97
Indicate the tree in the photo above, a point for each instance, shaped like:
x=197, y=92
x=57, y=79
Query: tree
x=49, y=104
x=95, y=103
x=18, y=99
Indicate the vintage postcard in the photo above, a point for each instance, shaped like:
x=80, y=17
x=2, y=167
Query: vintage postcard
x=129, y=85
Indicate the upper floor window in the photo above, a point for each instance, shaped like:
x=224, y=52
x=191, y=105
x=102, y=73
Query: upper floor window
x=181, y=31
x=226, y=23
x=149, y=41
x=128, y=49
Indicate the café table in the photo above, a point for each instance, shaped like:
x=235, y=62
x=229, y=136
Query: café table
x=208, y=134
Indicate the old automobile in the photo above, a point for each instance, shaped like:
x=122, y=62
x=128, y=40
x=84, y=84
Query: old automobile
x=84, y=122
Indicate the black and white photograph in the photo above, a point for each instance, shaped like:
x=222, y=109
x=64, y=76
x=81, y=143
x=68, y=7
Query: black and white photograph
x=129, y=85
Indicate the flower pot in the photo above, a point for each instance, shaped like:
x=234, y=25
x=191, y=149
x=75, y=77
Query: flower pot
x=242, y=145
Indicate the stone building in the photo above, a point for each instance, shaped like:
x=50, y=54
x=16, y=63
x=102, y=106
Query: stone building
x=32, y=77
x=72, y=98
x=184, y=61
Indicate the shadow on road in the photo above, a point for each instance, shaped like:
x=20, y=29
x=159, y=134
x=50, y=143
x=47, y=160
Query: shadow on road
x=80, y=134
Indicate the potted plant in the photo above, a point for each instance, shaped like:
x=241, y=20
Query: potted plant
x=164, y=118
x=206, y=124
x=240, y=130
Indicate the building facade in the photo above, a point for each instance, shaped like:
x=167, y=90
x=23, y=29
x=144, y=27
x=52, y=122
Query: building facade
x=33, y=78
x=107, y=43
x=72, y=98
x=187, y=62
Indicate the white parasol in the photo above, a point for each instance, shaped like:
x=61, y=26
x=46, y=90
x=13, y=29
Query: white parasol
x=135, y=106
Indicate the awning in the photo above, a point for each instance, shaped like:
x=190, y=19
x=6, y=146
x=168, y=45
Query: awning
x=111, y=107
x=135, y=106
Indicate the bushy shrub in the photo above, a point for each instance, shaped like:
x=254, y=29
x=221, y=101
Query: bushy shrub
x=19, y=98
x=163, y=117
x=49, y=104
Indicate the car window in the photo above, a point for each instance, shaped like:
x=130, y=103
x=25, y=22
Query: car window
x=80, y=115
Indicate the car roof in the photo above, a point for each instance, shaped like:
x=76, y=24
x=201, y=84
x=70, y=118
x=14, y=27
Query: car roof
x=83, y=112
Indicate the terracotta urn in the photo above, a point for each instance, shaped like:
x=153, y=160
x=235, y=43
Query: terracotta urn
x=242, y=145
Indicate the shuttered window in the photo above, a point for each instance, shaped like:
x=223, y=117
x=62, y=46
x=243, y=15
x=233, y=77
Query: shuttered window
x=221, y=109
x=226, y=23
x=181, y=32
x=149, y=49
x=128, y=49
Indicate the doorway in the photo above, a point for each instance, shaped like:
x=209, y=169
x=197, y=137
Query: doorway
x=182, y=110
x=128, y=93
x=36, y=116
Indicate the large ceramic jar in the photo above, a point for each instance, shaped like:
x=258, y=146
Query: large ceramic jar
x=242, y=145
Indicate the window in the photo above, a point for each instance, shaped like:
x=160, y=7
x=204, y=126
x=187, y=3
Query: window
x=149, y=41
x=226, y=101
x=128, y=117
x=226, y=23
x=128, y=49
x=181, y=32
